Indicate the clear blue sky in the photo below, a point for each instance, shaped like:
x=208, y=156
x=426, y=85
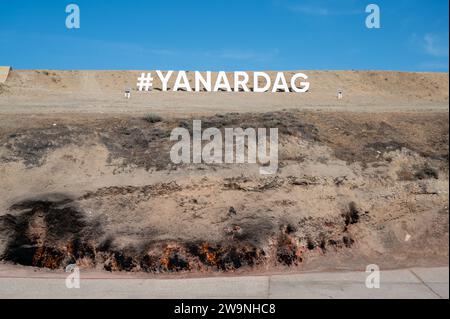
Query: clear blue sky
x=225, y=35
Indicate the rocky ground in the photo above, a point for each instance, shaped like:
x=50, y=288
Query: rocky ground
x=352, y=188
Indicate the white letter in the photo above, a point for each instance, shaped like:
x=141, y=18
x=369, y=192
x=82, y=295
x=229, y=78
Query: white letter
x=373, y=279
x=182, y=77
x=256, y=87
x=197, y=141
x=373, y=19
x=184, y=145
x=164, y=80
x=73, y=279
x=240, y=135
x=262, y=149
x=283, y=85
x=212, y=152
x=73, y=19
x=222, y=77
x=206, y=83
x=242, y=83
x=305, y=85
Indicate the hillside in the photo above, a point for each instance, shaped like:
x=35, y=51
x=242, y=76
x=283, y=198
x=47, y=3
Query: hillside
x=102, y=91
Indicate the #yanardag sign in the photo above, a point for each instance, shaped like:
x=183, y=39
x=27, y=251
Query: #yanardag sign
x=241, y=81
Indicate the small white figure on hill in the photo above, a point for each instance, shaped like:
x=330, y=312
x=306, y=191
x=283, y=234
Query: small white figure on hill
x=127, y=94
x=340, y=95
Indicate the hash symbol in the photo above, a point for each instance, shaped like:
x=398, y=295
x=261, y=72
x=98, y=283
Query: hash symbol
x=144, y=82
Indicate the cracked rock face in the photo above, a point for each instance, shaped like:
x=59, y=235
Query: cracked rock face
x=351, y=189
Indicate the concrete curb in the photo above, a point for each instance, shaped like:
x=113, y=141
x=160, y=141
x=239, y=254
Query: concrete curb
x=421, y=283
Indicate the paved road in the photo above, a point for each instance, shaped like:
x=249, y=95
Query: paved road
x=406, y=283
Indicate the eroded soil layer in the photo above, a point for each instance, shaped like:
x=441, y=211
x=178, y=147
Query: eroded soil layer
x=351, y=189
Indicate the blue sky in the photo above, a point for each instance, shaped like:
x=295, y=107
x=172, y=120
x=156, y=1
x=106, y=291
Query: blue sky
x=225, y=35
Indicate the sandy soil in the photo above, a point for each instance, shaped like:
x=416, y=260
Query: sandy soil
x=87, y=179
x=46, y=91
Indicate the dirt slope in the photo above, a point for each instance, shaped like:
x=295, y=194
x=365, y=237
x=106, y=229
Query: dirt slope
x=86, y=178
x=352, y=189
x=41, y=91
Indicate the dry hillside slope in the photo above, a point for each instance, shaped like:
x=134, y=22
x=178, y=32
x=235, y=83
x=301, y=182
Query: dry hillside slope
x=101, y=91
x=86, y=176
